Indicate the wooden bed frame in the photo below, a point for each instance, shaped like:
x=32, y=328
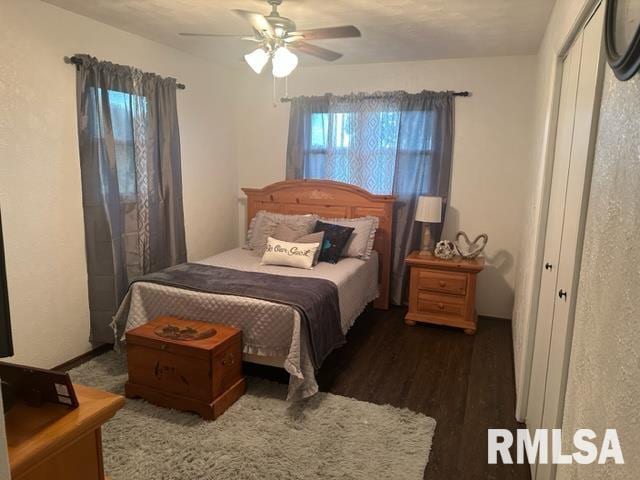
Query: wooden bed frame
x=331, y=200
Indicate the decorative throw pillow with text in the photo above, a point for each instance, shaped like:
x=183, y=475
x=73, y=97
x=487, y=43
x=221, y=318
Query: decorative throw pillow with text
x=289, y=254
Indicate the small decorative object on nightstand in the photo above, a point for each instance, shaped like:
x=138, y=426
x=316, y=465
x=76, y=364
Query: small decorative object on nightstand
x=445, y=249
x=470, y=249
x=443, y=291
x=429, y=210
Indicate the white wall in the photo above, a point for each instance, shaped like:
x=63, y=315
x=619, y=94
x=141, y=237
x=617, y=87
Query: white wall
x=491, y=151
x=563, y=18
x=40, y=189
x=603, y=388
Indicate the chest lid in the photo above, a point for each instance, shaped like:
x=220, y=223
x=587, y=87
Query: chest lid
x=191, y=338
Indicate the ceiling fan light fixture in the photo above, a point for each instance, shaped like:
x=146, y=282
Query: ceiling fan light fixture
x=257, y=59
x=274, y=33
x=284, y=62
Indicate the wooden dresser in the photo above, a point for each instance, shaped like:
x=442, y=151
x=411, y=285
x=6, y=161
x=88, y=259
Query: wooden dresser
x=54, y=443
x=443, y=291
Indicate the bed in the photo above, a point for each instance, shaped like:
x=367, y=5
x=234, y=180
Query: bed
x=273, y=333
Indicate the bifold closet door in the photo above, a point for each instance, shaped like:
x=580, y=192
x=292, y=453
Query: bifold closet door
x=577, y=197
x=546, y=301
x=565, y=229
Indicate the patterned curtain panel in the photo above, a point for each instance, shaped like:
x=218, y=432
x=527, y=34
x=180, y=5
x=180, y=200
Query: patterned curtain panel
x=393, y=142
x=131, y=181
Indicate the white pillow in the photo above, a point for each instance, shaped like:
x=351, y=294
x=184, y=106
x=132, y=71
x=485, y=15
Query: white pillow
x=289, y=254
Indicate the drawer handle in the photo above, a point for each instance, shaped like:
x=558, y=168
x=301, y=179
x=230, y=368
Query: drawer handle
x=443, y=283
x=441, y=306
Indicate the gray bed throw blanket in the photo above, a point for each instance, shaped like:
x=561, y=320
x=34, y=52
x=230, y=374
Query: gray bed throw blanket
x=315, y=299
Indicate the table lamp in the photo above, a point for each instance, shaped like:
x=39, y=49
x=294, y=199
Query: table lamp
x=429, y=210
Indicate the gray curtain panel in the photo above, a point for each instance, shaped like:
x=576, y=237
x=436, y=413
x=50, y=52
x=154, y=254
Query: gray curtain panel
x=131, y=181
x=423, y=167
x=386, y=142
x=304, y=115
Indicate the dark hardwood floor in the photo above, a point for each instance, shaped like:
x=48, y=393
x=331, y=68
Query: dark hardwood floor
x=465, y=382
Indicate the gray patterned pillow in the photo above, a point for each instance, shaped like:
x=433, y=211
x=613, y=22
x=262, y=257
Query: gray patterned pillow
x=360, y=245
x=288, y=234
x=252, y=225
x=265, y=223
x=285, y=233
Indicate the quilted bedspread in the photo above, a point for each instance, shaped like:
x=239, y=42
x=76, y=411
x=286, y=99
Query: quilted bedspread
x=269, y=330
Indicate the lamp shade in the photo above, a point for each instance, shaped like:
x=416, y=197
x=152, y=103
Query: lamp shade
x=284, y=62
x=257, y=59
x=429, y=209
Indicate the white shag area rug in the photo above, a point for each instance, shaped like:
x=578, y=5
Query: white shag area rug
x=260, y=437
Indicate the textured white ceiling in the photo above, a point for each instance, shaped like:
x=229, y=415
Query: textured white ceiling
x=392, y=30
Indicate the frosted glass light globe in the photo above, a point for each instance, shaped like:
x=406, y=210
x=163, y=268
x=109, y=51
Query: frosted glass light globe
x=257, y=59
x=284, y=62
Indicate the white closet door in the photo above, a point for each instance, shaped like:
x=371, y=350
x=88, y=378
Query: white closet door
x=579, y=180
x=563, y=247
x=546, y=301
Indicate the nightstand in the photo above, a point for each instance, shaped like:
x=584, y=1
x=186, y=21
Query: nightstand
x=443, y=291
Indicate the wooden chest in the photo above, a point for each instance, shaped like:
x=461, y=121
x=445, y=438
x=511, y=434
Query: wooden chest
x=186, y=365
x=443, y=291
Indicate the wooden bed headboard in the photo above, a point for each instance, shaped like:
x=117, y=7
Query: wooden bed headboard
x=331, y=199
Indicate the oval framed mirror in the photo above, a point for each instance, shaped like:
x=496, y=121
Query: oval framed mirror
x=622, y=35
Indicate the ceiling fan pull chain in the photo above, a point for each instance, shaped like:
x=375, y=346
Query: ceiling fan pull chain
x=274, y=93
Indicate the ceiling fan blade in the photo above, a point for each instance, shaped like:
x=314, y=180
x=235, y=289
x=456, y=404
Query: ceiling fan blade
x=185, y=34
x=222, y=35
x=257, y=21
x=316, y=51
x=345, y=31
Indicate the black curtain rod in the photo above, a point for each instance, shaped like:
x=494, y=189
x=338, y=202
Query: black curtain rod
x=77, y=61
x=455, y=94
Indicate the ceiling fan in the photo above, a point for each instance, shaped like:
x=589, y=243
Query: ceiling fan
x=277, y=36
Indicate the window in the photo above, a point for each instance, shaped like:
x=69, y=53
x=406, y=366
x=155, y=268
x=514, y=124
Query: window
x=361, y=148
x=128, y=118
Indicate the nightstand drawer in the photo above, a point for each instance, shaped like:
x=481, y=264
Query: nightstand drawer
x=455, y=283
x=429, y=303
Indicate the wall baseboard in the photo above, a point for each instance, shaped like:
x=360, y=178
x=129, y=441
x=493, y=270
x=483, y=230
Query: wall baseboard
x=85, y=357
x=494, y=318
